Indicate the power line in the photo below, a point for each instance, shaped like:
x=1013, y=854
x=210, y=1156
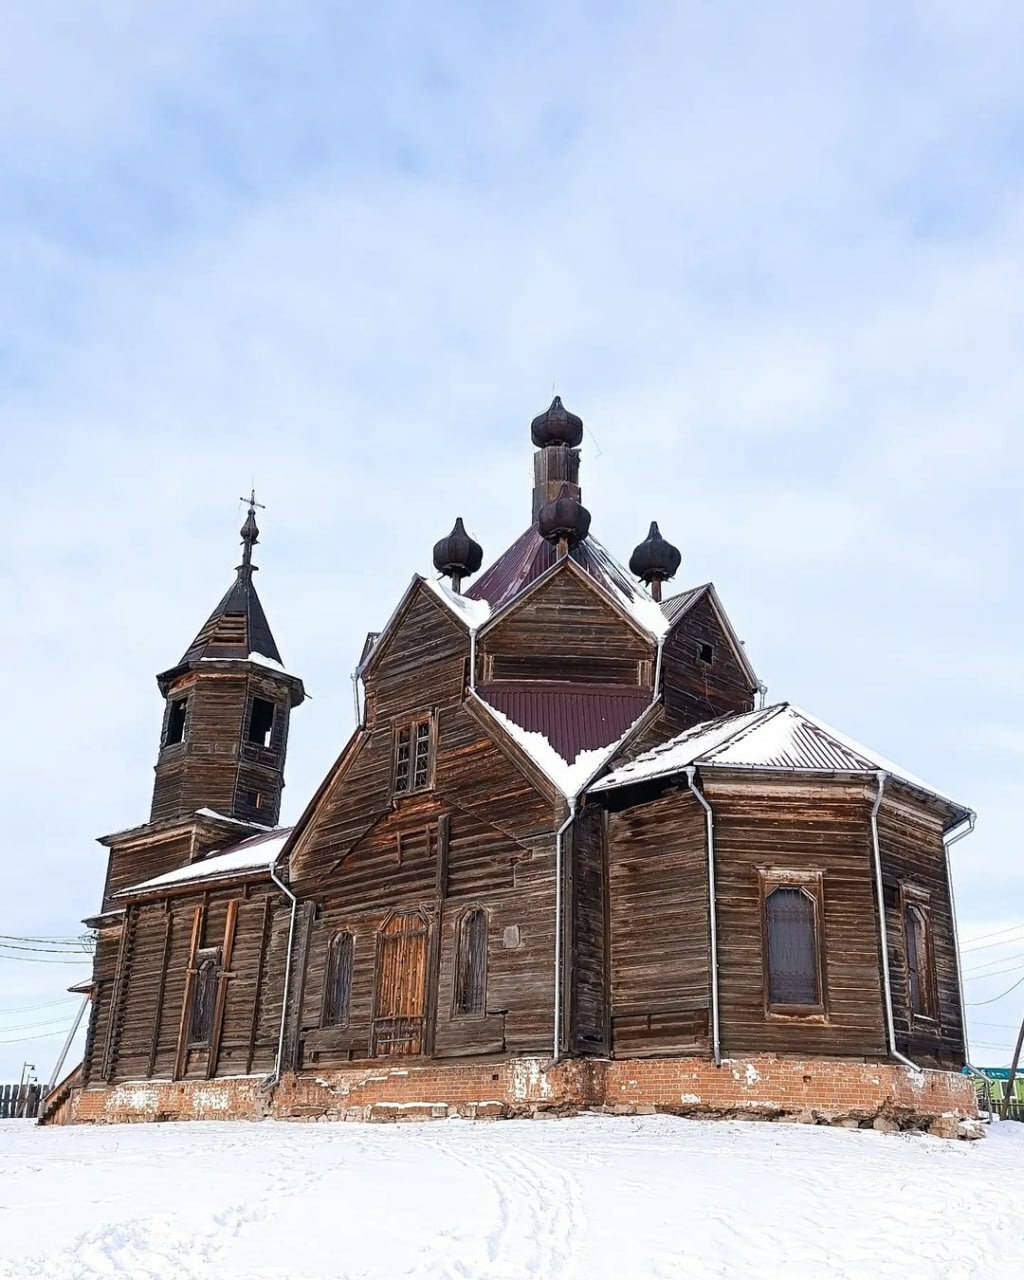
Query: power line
x=989, y=963
x=980, y=977
x=17, y=937
x=36, y=960
x=1005, y=942
x=982, y=937
x=32, y=1008
x=46, y=951
x=45, y=1035
x=974, y=1004
x=35, y=1026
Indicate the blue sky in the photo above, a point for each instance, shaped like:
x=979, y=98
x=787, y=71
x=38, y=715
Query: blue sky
x=772, y=254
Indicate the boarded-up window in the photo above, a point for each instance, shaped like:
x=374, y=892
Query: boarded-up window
x=338, y=980
x=919, y=977
x=471, y=963
x=204, y=998
x=401, y=984
x=791, y=936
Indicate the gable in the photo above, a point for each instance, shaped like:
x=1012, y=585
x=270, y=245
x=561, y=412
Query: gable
x=565, y=628
x=703, y=675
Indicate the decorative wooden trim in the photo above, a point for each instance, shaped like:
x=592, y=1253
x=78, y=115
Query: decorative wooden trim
x=223, y=978
x=186, y=1003
x=158, y=1011
x=459, y=943
x=444, y=829
x=811, y=883
x=920, y=901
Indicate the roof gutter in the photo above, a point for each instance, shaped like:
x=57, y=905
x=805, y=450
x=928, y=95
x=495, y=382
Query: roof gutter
x=275, y=1076
x=883, y=935
x=946, y=843
x=716, y=1036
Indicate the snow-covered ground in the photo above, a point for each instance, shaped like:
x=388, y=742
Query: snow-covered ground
x=591, y=1197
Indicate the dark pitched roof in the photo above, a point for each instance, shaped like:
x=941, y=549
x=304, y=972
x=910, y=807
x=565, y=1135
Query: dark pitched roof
x=237, y=627
x=573, y=717
x=530, y=556
x=675, y=606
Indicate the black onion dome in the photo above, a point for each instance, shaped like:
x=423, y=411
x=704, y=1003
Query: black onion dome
x=556, y=425
x=566, y=517
x=458, y=555
x=655, y=559
x=249, y=531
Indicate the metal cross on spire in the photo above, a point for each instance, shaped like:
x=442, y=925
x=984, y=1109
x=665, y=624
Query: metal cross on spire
x=250, y=530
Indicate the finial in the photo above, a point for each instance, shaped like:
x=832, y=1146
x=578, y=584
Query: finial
x=655, y=560
x=458, y=556
x=250, y=530
x=556, y=425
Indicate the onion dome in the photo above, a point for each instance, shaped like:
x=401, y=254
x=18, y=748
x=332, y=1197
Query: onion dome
x=655, y=560
x=556, y=425
x=458, y=555
x=566, y=517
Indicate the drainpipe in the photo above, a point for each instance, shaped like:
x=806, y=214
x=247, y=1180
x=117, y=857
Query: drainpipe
x=946, y=843
x=472, y=660
x=657, y=670
x=276, y=1074
x=890, y=1029
x=556, y=1051
x=355, y=699
x=716, y=1036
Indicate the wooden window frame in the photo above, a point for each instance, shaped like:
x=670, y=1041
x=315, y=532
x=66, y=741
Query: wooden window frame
x=412, y=727
x=812, y=884
x=250, y=712
x=919, y=901
x=460, y=950
x=327, y=1022
x=182, y=699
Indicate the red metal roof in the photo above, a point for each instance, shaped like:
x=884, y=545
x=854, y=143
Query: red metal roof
x=573, y=717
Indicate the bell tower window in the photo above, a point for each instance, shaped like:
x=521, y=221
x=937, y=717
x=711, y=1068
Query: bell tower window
x=176, y=714
x=414, y=757
x=261, y=722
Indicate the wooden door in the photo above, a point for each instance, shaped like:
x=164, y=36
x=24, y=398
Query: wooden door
x=401, y=985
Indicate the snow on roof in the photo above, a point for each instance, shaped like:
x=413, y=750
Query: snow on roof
x=642, y=607
x=777, y=737
x=257, y=853
x=474, y=613
x=568, y=778
x=235, y=822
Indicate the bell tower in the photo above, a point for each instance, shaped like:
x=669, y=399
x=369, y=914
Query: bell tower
x=228, y=702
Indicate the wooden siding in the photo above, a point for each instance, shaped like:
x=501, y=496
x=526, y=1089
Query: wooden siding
x=914, y=870
x=587, y=928
x=763, y=826
x=565, y=615
x=693, y=690
x=138, y=1016
x=658, y=927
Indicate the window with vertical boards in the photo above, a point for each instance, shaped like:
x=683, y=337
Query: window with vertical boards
x=793, y=959
x=204, y=996
x=471, y=964
x=338, y=980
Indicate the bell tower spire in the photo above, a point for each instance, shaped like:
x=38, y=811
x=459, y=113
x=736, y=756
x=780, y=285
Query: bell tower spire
x=228, y=702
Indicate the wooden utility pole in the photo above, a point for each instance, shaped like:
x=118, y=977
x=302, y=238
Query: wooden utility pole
x=1005, y=1108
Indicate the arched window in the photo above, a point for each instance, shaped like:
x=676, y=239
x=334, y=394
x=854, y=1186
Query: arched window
x=338, y=980
x=791, y=933
x=204, y=997
x=471, y=963
x=919, y=978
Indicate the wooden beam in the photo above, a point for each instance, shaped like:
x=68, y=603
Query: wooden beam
x=224, y=977
x=261, y=965
x=161, y=986
x=186, y=1003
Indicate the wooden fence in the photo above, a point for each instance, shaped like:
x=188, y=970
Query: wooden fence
x=20, y=1101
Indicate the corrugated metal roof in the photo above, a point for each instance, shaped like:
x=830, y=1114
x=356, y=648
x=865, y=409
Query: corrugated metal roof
x=675, y=606
x=777, y=737
x=572, y=717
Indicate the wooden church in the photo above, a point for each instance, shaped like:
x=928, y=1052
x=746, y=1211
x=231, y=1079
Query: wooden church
x=564, y=861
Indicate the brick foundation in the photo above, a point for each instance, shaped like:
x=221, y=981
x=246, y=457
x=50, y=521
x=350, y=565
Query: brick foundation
x=813, y=1090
